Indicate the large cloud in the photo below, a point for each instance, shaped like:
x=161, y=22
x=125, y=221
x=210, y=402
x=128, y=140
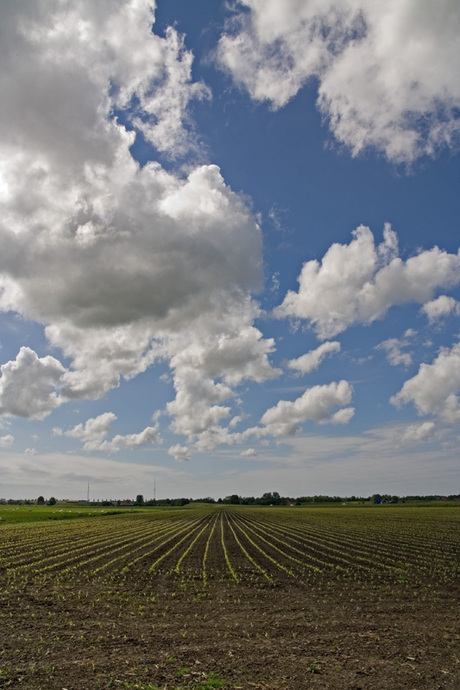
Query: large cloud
x=386, y=71
x=435, y=388
x=76, y=62
x=359, y=282
x=122, y=264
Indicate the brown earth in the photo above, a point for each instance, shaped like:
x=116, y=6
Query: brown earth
x=177, y=634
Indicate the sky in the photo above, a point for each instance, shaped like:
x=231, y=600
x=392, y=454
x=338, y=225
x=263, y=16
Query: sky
x=229, y=248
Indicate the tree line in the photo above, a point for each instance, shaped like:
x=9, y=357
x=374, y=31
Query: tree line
x=269, y=498
x=273, y=498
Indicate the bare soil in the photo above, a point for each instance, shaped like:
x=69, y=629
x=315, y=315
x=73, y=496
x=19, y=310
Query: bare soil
x=173, y=634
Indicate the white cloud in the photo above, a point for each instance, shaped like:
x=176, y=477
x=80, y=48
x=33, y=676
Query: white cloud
x=6, y=441
x=179, y=453
x=418, y=433
x=29, y=385
x=359, y=282
x=311, y=360
x=386, y=72
x=434, y=389
x=342, y=416
x=79, y=61
x=248, y=453
x=226, y=346
x=122, y=265
x=93, y=434
x=442, y=306
x=394, y=349
x=314, y=405
x=95, y=430
x=149, y=435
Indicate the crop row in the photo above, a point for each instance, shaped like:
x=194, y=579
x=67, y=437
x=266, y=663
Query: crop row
x=238, y=545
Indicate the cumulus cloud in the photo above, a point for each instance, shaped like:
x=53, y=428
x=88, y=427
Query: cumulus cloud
x=284, y=419
x=342, y=416
x=359, y=282
x=441, y=307
x=395, y=349
x=93, y=434
x=6, y=441
x=146, y=437
x=208, y=362
x=123, y=265
x=29, y=385
x=94, y=431
x=311, y=360
x=418, y=433
x=314, y=405
x=386, y=72
x=434, y=389
x=79, y=62
x=179, y=453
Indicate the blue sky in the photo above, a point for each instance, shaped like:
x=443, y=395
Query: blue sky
x=229, y=248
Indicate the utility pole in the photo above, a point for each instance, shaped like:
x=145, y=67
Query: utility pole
x=87, y=493
x=154, y=488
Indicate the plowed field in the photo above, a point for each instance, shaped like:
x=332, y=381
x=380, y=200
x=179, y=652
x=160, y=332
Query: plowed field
x=233, y=597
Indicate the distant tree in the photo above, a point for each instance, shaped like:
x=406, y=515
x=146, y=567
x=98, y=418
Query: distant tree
x=270, y=498
x=180, y=501
x=52, y=501
x=247, y=500
x=139, y=500
x=40, y=501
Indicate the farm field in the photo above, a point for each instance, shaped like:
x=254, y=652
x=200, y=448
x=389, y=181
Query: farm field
x=26, y=513
x=233, y=597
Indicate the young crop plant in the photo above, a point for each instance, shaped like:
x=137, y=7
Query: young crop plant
x=304, y=565
x=156, y=563
x=177, y=568
x=172, y=534
x=226, y=556
x=249, y=557
x=279, y=565
x=206, y=551
x=127, y=549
